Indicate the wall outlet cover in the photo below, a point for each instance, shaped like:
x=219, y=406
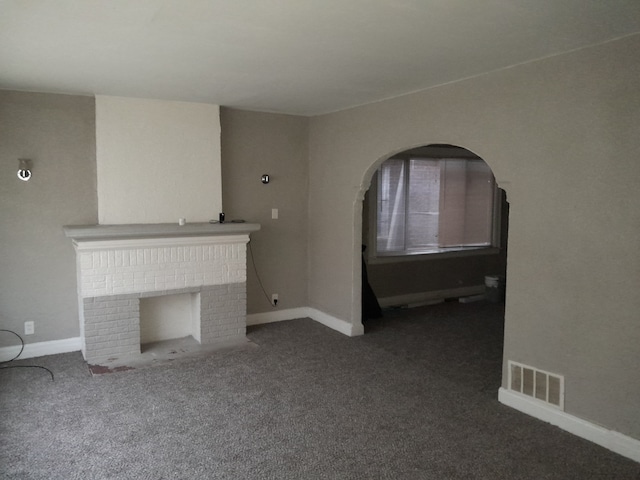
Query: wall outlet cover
x=29, y=328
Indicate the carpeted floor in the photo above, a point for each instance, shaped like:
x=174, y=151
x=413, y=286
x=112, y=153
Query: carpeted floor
x=414, y=398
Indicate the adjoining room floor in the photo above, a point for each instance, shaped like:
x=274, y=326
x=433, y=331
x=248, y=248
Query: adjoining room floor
x=415, y=398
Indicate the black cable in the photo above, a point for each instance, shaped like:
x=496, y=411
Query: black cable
x=21, y=348
x=30, y=366
x=3, y=363
x=266, y=295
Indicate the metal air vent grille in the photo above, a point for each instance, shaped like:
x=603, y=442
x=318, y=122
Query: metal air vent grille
x=538, y=384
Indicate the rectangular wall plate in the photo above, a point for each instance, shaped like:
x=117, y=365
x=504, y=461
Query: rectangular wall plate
x=29, y=328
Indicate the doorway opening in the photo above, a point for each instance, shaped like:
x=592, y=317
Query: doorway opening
x=434, y=229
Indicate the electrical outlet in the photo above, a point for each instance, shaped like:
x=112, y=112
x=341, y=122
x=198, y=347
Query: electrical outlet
x=29, y=328
x=274, y=298
x=274, y=213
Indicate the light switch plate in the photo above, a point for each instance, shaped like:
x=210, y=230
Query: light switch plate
x=29, y=328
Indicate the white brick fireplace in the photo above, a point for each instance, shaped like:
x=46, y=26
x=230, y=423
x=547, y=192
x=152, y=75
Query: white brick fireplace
x=118, y=265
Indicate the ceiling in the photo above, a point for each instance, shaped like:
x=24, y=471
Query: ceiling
x=304, y=57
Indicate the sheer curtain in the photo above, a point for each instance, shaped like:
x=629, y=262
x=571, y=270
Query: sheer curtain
x=391, y=206
x=429, y=204
x=466, y=215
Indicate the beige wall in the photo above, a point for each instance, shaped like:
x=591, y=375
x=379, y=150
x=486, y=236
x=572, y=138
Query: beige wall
x=561, y=136
x=157, y=160
x=37, y=262
x=254, y=144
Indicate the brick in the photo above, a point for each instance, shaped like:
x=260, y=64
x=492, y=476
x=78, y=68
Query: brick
x=222, y=287
x=108, y=310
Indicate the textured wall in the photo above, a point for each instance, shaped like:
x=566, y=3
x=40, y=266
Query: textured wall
x=254, y=144
x=37, y=262
x=158, y=161
x=561, y=137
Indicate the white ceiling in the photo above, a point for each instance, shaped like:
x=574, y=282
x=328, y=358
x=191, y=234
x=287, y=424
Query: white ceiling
x=302, y=57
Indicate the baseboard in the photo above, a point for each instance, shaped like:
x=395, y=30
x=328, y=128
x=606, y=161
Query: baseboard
x=426, y=298
x=66, y=345
x=40, y=349
x=330, y=321
x=609, y=439
x=335, y=323
x=277, y=316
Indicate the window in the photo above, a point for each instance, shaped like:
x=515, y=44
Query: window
x=431, y=205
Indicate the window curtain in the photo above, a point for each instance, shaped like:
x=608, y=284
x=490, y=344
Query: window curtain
x=467, y=203
x=391, y=206
x=426, y=204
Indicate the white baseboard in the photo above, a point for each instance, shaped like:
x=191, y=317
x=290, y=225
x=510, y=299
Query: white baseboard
x=66, y=345
x=616, y=442
x=335, y=323
x=39, y=349
x=277, y=316
x=330, y=321
x=426, y=298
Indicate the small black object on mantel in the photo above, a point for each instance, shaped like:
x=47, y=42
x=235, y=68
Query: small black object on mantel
x=221, y=217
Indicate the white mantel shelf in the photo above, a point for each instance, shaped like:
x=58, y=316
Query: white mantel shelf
x=88, y=233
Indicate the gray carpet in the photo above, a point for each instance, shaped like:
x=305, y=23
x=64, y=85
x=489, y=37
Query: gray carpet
x=414, y=398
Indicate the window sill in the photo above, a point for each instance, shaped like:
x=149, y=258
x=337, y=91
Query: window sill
x=435, y=255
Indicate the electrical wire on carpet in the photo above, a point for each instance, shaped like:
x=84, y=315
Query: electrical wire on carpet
x=266, y=295
x=4, y=365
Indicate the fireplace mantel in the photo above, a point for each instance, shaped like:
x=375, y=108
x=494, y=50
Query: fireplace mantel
x=118, y=265
x=80, y=233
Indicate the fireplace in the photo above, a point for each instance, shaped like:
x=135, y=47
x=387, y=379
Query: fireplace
x=118, y=265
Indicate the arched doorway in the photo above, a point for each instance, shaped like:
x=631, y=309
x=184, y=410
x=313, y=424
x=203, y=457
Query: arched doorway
x=434, y=224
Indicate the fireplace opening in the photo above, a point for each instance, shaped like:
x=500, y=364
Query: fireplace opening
x=169, y=317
